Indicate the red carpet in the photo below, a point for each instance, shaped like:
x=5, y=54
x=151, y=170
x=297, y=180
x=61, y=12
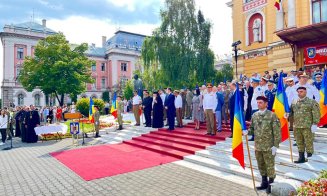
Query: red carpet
x=108, y=160
x=148, y=150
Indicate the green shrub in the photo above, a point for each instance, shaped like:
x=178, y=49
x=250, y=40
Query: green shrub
x=83, y=105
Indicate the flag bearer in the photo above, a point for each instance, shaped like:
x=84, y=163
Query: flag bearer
x=97, y=121
x=266, y=127
x=120, y=111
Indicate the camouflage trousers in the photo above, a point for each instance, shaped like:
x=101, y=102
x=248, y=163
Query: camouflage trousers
x=120, y=119
x=97, y=128
x=304, y=139
x=266, y=163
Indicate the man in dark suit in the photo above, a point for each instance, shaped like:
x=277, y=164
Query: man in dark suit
x=147, y=108
x=232, y=103
x=249, y=89
x=170, y=107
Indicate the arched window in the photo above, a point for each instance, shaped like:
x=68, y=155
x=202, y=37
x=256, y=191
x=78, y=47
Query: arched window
x=20, y=99
x=37, y=99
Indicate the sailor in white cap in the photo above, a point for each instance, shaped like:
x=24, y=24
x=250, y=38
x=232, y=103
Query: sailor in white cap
x=312, y=91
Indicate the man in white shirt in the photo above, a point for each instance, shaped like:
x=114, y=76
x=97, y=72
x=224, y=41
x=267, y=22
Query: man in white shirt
x=294, y=76
x=136, y=107
x=291, y=96
x=163, y=98
x=312, y=91
x=209, y=106
x=178, y=106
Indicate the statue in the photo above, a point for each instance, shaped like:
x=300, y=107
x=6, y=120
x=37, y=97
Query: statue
x=138, y=85
x=256, y=30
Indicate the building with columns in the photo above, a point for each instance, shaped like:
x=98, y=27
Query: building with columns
x=115, y=62
x=266, y=33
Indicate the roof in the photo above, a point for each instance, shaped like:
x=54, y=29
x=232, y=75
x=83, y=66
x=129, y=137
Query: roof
x=124, y=39
x=305, y=35
x=32, y=26
x=96, y=51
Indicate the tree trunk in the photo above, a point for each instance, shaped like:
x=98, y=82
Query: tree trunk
x=62, y=100
x=59, y=100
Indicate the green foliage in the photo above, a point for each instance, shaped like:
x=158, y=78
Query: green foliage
x=128, y=90
x=315, y=186
x=57, y=68
x=178, y=54
x=83, y=105
x=226, y=73
x=105, y=96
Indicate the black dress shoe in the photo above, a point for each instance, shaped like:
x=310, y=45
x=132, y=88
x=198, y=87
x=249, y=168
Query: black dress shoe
x=207, y=134
x=219, y=131
x=213, y=134
x=166, y=125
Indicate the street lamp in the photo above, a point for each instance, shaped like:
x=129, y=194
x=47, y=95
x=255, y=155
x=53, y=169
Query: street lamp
x=234, y=45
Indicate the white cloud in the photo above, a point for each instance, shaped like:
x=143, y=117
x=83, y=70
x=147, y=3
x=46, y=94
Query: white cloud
x=132, y=4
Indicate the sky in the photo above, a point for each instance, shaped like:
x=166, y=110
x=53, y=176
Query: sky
x=87, y=21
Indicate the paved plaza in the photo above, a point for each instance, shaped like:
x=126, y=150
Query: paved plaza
x=28, y=169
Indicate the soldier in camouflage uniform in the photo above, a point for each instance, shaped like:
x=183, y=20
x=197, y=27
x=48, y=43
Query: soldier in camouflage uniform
x=120, y=110
x=266, y=127
x=97, y=121
x=306, y=114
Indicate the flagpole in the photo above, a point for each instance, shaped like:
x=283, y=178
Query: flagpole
x=249, y=155
x=289, y=138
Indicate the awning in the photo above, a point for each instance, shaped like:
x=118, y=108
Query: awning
x=315, y=33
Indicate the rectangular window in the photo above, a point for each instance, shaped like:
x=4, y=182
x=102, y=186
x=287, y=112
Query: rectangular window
x=103, y=67
x=123, y=66
x=94, y=67
x=103, y=83
x=20, y=53
x=319, y=11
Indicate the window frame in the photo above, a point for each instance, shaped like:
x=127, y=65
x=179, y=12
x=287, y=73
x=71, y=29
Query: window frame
x=20, y=53
x=103, y=66
x=20, y=99
x=123, y=67
x=94, y=67
x=320, y=11
x=39, y=100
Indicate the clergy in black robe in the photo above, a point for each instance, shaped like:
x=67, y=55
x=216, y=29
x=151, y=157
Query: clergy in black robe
x=249, y=90
x=32, y=120
x=157, y=111
x=147, y=108
x=17, y=122
x=22, y=124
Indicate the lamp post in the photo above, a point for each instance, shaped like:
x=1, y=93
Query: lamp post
x=235, y=49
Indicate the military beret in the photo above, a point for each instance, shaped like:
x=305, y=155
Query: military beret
x=263, y=98
x=301, y=88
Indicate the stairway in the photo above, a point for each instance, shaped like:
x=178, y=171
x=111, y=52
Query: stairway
x=177, y=143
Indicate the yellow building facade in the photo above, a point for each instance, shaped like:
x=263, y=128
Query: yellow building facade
x=256, y=23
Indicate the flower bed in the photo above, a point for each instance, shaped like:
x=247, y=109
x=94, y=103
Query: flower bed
x=316, y=187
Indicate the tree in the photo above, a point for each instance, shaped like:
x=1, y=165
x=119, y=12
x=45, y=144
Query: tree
x=128, y=91
x=177, y=53
x=83, y=105
x=105, y=96
x=57, y=68
x=225, y=74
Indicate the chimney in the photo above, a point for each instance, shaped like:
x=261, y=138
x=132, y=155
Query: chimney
x=44, y=23
x=104, y=41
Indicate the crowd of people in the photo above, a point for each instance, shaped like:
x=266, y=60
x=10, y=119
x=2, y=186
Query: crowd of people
x=21, y=120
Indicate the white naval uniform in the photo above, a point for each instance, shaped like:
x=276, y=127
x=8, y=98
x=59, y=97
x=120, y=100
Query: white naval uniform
x=258, y=91
x=210, y=101
x=311, y=91
x=291, y=94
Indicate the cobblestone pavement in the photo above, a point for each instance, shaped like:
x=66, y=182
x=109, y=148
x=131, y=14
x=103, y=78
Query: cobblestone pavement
x=28, y=169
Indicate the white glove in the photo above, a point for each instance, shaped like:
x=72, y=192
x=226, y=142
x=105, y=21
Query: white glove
x=273, y=150
x=245, y=132
x=96, y=123
x=314, y=128
x=286, y=115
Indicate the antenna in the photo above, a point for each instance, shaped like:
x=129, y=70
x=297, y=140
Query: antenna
x=33, y=16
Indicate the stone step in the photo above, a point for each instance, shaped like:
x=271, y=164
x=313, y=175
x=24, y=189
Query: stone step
x=236, y=169
x=279, y=161
x=283, y=151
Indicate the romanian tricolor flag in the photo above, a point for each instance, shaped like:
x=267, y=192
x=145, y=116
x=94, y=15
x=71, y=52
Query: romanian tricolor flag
x=91, y=110
x=238, y=127
x=281, y=107
x=323, y=101
x=113, y=109
x=278, y=4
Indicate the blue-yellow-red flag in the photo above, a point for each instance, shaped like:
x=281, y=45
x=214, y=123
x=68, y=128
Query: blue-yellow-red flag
x=238, y=127
x=280, y=107
x=91, y=109
x=323, y=101
x=278, y=4
x=113, y=109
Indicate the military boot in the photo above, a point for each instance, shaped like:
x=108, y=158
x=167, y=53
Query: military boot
x=301, y=158
x=268, y=190
x=309, y=154
x=97, y=135
x=264, y=183
x=120, y=127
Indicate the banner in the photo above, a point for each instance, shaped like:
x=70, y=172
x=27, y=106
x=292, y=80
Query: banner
x=315, y=55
